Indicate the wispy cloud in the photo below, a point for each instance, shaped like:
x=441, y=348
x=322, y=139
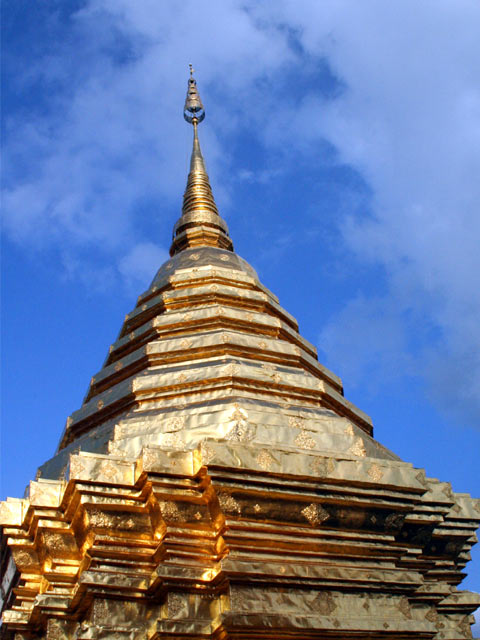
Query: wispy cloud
x=409, y=122
x=403, y=109
x=138, y=265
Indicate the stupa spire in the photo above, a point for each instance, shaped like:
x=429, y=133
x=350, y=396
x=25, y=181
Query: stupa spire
x=200, y=223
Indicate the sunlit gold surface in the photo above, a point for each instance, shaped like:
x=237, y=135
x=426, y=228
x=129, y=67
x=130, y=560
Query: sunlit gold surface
x=217, y=484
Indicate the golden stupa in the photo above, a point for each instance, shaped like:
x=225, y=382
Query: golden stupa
x=216, y=484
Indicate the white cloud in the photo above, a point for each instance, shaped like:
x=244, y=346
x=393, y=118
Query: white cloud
x=112, y=134
x=140, y=264
x=406, y=117
x=369, y=343
x=409, y=122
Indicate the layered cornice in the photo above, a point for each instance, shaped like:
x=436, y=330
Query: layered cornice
x=217, y=484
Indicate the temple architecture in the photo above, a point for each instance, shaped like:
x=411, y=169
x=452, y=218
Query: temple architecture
x=216, y=483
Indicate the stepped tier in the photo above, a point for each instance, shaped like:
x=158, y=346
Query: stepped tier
x=216, y=484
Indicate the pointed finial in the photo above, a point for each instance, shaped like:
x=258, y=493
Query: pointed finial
x=200, y=224
x=193, y=110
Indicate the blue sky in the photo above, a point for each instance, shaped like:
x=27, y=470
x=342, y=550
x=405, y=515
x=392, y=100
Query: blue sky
x=342, y=141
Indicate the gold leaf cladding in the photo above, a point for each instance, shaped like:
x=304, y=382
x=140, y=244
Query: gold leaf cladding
x=214, y=287
x=315, y=514
x=304, y=440
x=58, y=542
x=187, y=316
x=224, y=258
x=294, y=421
x=110, y=471
x=447, y=492
x=194, y=257
x=35, y=492
x=319, y=466
x=177, y=603
x=207, y=453
x=257, y=508
x=172, y=440
x=23, y=558
x=242, y=431
x=324, y=603
x=56, y=630
x=182, y=377
x=238, y=599
x=464, y=627
x=99, y=519
x=249, y=317
x=432, y=615
x=404, y=607
x=228, y=503
x=358, y=448
x=349, y=430
x=265, y=460
x=268, y=367
x=111, y=520
x=276, y=378
x=77, y=467
x=262, y=345
x=8, y=512
x=102, y=613
x=224, y=337
x=421, y=478
x=149, y=457
x=185, y=343
x=175, y=423
x=394, y=521
x=239, y=413
x=198, y=515
x=170, y=511
x=375, y=473
x=232, y=369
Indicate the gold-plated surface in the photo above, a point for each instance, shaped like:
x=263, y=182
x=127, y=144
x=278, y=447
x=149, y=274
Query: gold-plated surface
x=193, y=109
x=217, y=484
x=200, y=223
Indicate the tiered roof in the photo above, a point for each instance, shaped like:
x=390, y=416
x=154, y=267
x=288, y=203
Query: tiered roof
x=216, y=483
